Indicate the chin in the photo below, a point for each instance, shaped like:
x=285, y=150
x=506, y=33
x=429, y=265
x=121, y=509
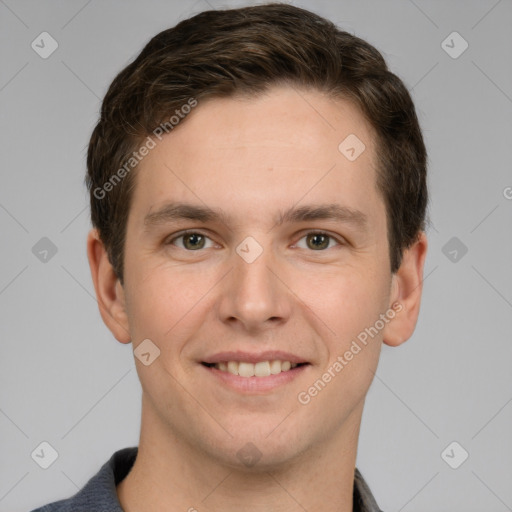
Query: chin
x=259, y=448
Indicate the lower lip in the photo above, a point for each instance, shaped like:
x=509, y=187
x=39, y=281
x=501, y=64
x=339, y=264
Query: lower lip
x=256, y=384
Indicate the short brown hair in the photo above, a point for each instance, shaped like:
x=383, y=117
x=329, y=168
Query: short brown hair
x=223, y=53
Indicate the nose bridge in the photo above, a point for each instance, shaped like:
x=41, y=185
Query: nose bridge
x=253, y=294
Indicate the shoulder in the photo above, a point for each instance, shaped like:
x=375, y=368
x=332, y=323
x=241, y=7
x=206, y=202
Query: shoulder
x=364, y=500
x=100, y=491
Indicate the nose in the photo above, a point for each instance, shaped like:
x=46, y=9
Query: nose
x=254, y=296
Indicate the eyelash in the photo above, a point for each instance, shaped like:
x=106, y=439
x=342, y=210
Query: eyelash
x=194, y=232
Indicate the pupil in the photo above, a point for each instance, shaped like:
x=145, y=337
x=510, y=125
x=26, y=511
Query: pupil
x=191, y=240
x=323, y=239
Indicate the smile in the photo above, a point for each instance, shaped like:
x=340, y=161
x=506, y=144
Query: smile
x=260, y=369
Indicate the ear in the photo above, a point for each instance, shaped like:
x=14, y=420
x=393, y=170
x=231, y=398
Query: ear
x=109, y=290
x=406, y=289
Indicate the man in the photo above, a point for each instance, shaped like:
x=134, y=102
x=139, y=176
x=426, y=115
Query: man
x=258, y=195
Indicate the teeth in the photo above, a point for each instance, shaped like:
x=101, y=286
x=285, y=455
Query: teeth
x=275, y=367
x=261, y=369
x=232, y=367
x=245, y=369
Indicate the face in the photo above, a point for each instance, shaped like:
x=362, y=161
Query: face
x=253, y=239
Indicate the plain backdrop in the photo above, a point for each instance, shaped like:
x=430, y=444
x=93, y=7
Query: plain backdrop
x=66, y=381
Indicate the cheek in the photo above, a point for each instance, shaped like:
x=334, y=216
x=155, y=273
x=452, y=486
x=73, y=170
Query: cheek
x=346, y=309
x=345, y=301
x=163, y=301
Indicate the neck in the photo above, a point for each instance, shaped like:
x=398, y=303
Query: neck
x=169, y=475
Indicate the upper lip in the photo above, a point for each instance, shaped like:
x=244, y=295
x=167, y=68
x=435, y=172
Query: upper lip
x=253, y=357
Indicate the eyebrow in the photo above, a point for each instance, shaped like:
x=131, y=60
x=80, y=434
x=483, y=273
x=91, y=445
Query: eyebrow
x=176, y=211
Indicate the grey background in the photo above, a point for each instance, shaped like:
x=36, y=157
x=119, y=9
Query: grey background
x=65, y=380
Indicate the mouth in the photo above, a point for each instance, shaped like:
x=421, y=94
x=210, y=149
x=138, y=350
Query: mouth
x=250, y=373
x=260, y=369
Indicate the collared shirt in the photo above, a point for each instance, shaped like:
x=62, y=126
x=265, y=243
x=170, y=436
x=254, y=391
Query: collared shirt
x=99, y=493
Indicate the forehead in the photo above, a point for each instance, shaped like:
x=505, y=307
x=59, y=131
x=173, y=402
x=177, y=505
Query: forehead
x=256, y=153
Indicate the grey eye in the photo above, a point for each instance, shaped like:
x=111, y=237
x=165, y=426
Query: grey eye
x=318, y=241
x=191, y=241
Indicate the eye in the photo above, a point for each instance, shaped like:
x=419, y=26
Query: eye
x=318, y=240
x=191, y=241
x=194, y=240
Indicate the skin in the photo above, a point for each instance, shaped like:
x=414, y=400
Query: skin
x=253, y=158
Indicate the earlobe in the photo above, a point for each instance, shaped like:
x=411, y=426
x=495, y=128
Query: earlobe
x=109, y=291
x=406, y=290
